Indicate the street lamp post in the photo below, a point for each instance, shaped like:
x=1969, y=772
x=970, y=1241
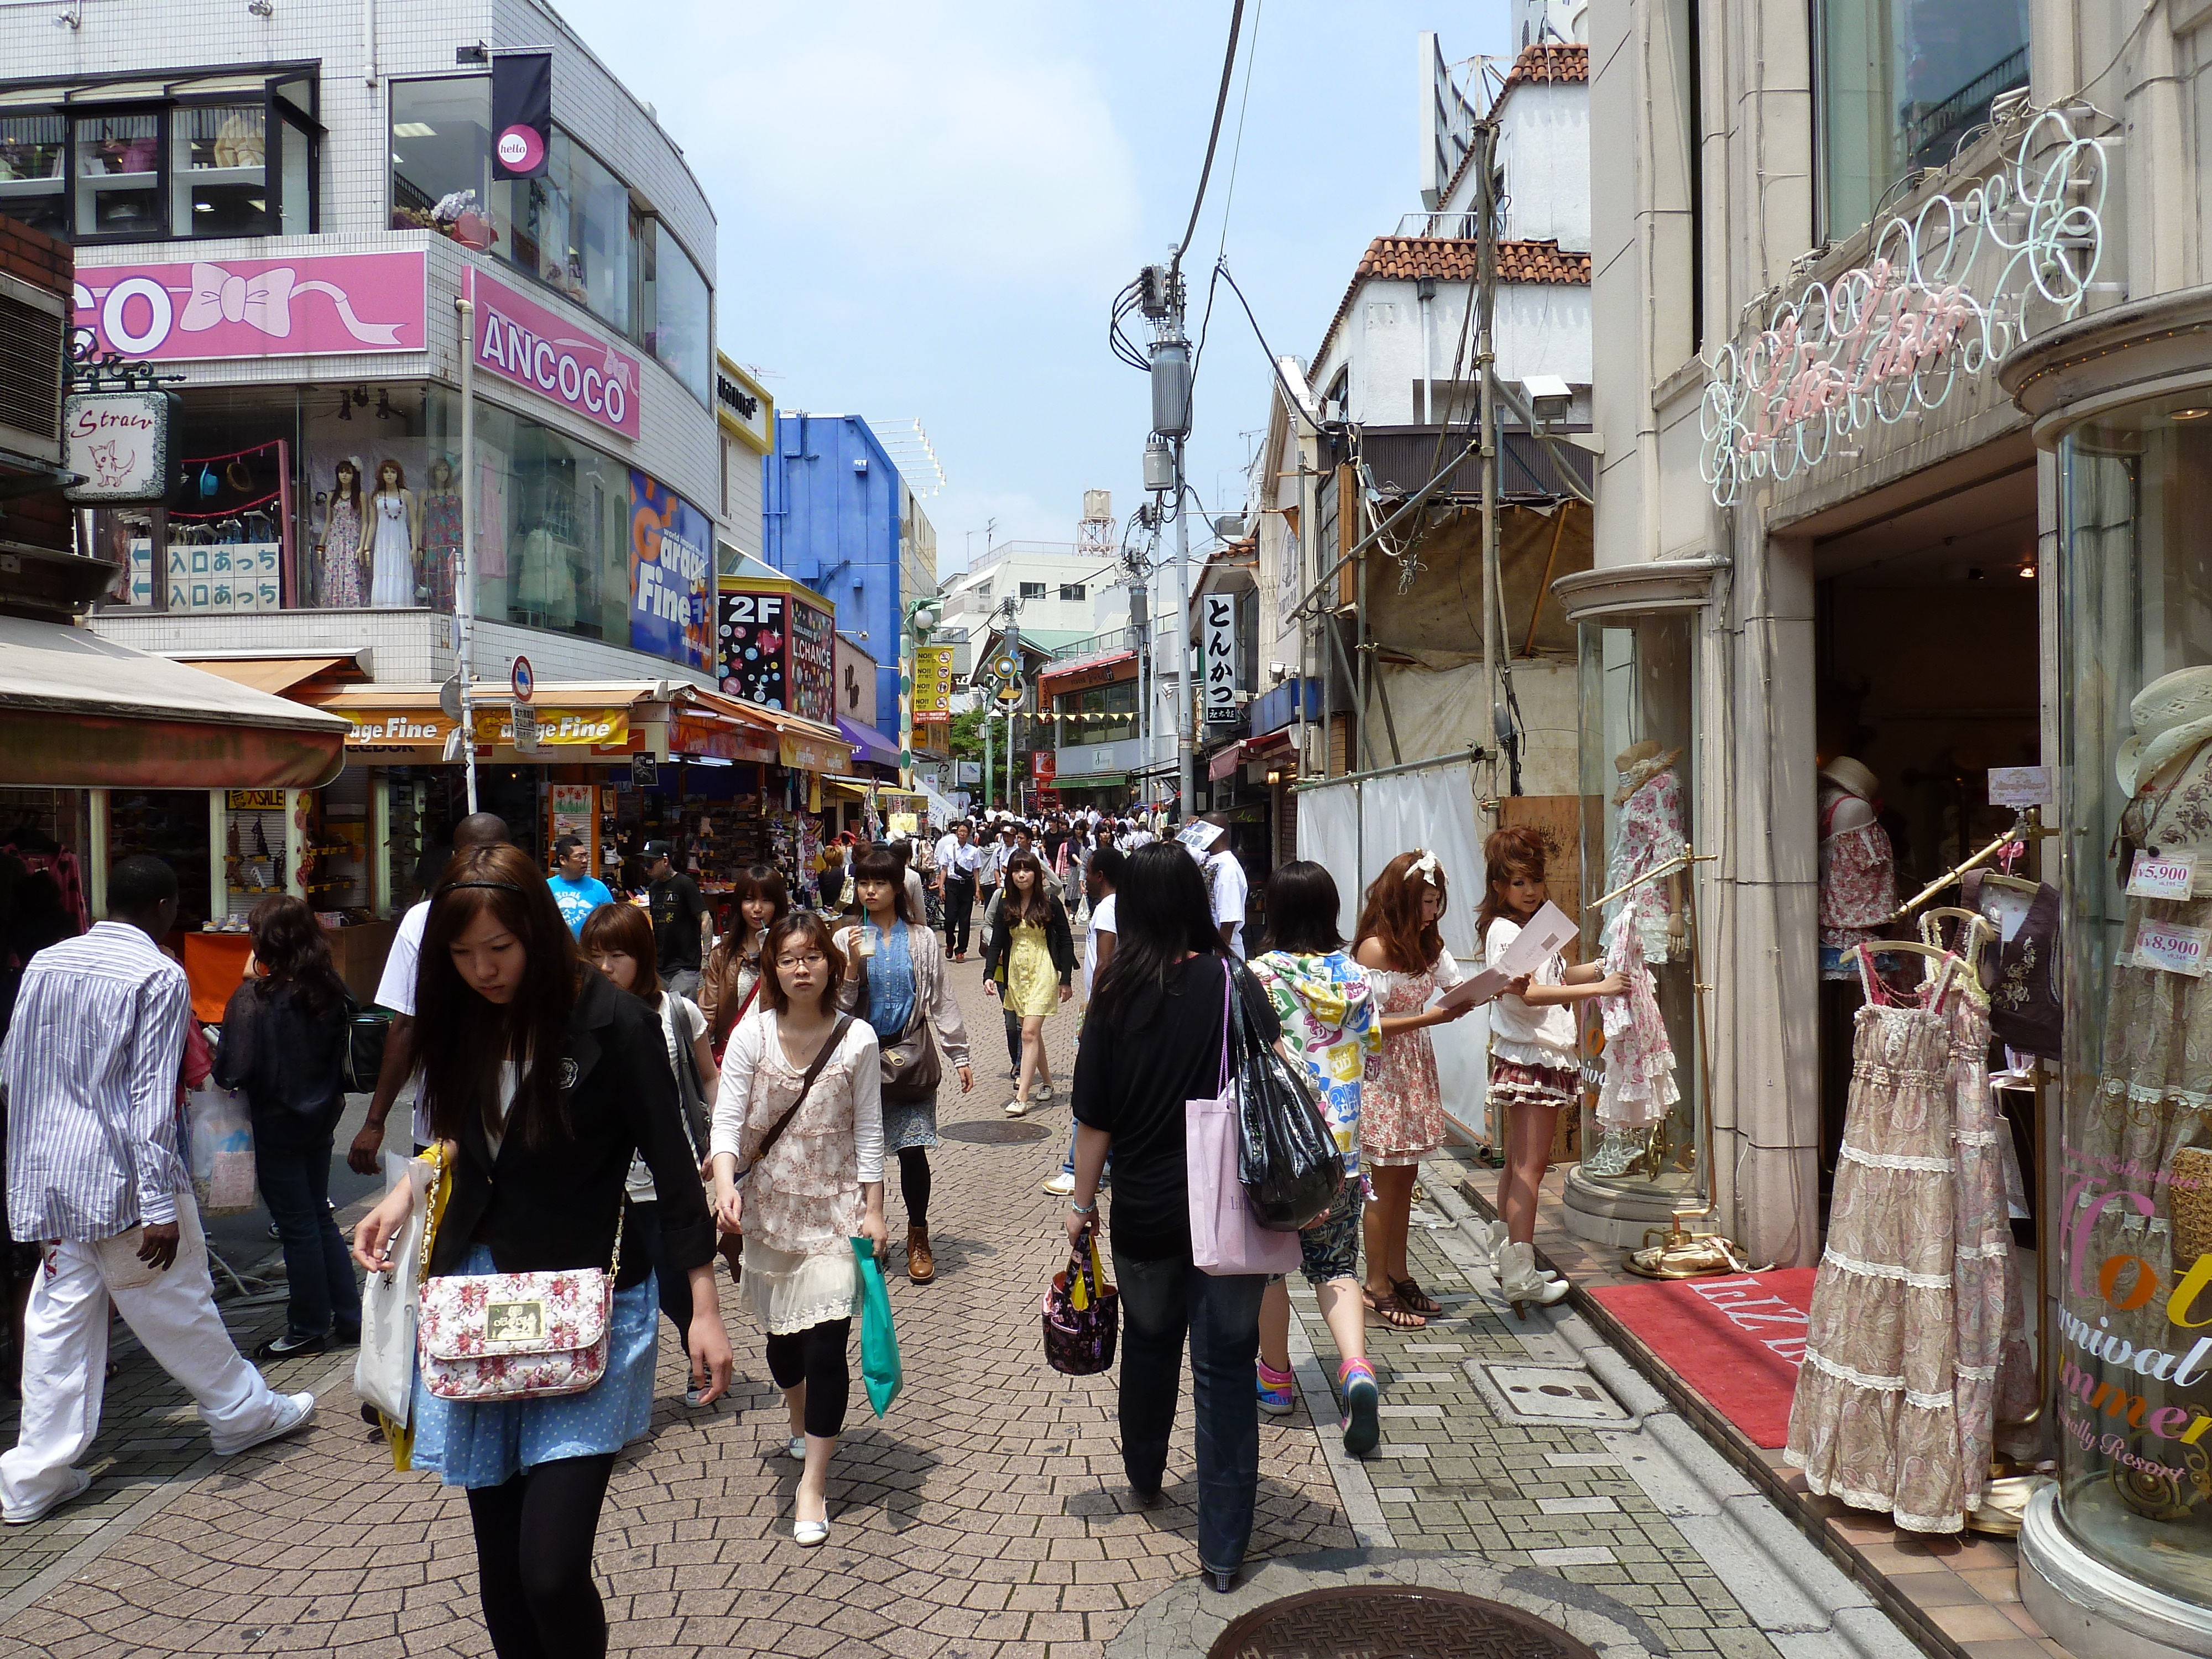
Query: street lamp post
x=912, y=631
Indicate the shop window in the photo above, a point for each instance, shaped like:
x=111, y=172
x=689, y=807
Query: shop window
x=2136, y=1158
x=118, y=176
x=219, y=175
x=1638, y=763
x=33, y=151
x=1901, y=83
x=673, y=314
x=572, y=226
x=1100, y=713
x=441, y=159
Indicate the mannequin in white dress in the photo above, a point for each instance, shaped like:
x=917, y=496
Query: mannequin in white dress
x=388, y=539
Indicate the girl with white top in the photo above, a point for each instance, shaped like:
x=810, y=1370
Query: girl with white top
x=799, y=1169
x=1535, y=1060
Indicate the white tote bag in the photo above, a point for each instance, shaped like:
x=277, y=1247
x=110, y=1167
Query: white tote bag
x=384, y=1371
x=1224, y=1237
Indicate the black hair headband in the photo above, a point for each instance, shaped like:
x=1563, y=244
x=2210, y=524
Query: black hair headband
x=500, y=886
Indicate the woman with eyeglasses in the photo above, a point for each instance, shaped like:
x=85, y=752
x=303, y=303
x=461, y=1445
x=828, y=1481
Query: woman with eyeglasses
x=798, y=1169
x=543, y=1074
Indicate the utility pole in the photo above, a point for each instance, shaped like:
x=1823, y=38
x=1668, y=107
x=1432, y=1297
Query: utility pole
x=1161, y=291
x=1486, y=295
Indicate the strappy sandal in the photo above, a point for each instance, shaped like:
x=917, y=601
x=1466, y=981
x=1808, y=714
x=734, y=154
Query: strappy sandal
x=1414, y=1298
x=1393, y=1312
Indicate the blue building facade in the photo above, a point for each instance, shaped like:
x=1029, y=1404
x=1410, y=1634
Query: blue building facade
x=830, y=499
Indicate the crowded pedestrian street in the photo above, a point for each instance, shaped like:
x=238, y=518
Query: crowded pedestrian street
x=985, y=1517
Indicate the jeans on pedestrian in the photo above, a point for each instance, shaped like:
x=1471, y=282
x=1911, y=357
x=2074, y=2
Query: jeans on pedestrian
x=1160, y=1301
x=1067, y=1164
x=959, y=906
x=295, y=1185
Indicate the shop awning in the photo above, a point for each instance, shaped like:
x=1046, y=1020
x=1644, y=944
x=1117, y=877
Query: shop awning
x=575, y=722
x=80, y=712
x=868, y=744
x=1242, y=753
x=844, y=788
x=805, y=745
x=278, y=675
x=715, y=728
x=1082, y=672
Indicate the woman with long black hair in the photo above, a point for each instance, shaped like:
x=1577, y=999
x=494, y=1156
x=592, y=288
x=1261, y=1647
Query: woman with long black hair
x=284, y=1042
x=539, y=1070
x=895, y=979
x=1154, y=1038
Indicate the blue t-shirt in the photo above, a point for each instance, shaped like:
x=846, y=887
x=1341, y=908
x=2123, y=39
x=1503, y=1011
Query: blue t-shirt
x=578, y=899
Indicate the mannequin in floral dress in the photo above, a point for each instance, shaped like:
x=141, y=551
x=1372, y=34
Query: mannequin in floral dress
x=341, y=583
x=442, y=537
x=1647, y=928
x=1858, y=867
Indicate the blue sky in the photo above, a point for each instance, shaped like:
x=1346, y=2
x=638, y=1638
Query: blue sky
x=926, y=209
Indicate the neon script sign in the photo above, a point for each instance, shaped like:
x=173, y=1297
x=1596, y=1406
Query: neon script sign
x=1890, y=338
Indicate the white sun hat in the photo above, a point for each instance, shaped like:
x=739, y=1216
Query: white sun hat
x=2171, y=716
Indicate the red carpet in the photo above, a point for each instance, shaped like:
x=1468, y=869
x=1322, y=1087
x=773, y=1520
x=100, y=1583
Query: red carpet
x=1734, y=1339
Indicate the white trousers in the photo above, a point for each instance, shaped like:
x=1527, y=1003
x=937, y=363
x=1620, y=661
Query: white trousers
x=65, y=1354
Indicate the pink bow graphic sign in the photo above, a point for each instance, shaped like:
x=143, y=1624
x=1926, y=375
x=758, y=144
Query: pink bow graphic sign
x=311, y=305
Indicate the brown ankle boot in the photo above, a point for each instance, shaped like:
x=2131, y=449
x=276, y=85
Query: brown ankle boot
x=920, y=1265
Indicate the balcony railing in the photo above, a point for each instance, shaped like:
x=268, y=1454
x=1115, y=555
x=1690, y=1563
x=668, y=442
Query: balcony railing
x=1097, y=645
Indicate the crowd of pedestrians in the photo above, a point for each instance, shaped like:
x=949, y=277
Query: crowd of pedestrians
x=622, y=1086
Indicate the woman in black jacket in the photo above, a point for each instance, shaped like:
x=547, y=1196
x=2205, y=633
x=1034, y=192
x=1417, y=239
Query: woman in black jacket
x=545, y=1081
x=283, y=1043
x=1030, y=943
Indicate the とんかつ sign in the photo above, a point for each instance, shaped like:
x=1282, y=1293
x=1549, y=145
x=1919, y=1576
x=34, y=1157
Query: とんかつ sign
x=535, y=346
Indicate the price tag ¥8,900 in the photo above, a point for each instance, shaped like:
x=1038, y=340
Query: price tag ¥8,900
x=2172, y=947
x=2170, y=877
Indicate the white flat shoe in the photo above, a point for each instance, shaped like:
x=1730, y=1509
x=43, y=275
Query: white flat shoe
x=795, y=1449
x=1044, y=1092
x=1017, y=1107
x=79, y=1484
x=807, y=1534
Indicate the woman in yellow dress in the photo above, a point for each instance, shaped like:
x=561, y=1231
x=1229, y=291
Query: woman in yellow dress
x=1031, y=943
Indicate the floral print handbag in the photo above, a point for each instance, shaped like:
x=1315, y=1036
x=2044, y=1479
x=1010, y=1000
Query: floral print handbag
x=483, y=1337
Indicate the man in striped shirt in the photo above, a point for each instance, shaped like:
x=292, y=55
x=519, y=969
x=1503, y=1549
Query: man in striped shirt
x=94, y=1164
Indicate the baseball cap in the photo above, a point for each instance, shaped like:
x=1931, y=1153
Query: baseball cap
x=660, y=849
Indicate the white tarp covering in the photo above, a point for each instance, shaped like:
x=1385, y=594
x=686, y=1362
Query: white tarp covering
x=1359, y=827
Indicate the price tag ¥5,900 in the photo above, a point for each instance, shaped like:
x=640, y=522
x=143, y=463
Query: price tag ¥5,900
x=2170, y=877
x=2172, y=947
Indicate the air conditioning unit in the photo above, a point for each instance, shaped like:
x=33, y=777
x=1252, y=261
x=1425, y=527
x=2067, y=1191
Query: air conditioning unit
x=33, y=330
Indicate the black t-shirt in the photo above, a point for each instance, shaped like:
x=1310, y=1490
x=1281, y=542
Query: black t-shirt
x=1132, y=1077
x=676, y=908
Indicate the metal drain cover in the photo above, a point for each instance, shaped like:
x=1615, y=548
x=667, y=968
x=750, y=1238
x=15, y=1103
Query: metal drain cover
x=991, y=1132
x=1393, y=1621
x=1540, y=1395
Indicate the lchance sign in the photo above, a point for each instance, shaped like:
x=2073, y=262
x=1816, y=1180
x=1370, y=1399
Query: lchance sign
x=118, y=442
x=1945, y=294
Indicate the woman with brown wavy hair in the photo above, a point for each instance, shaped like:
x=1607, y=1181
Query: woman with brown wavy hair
x=546, y=1073
x=283, y=1043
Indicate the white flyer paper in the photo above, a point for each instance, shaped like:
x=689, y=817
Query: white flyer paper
x=1540, y=940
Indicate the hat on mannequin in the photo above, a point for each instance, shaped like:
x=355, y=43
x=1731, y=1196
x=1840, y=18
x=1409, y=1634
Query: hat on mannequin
x=1852, y=777
x=2171, y=716
x=1637, y=764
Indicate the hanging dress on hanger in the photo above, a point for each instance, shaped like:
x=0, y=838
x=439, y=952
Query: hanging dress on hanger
x=1875, y=1419
x=393, y=585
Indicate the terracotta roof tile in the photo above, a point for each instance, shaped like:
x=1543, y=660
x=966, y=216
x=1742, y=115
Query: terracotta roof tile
x=1551, y=60
x=1452, y=259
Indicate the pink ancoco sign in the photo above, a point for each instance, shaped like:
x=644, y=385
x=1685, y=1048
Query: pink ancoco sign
x=532, y=345
x=315, y=305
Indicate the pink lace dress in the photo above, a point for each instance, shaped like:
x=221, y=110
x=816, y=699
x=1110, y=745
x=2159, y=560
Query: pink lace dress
x=1402, y=1109
x=1637, y=1086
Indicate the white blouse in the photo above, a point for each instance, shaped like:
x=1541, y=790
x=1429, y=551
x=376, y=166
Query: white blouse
x=747, y=1055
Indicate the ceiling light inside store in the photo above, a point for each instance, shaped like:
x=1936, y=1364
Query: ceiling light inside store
x=413, y=129
x=2189, y=414
x=2026, y=568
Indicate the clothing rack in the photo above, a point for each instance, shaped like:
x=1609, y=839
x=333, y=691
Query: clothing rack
x=2028, y=827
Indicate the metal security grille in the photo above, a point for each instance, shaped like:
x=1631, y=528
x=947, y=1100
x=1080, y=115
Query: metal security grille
x=31, y=328
x=1391, y=1622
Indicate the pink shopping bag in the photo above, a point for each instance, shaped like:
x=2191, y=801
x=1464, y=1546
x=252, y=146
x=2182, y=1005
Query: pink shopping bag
x=1224, y=1237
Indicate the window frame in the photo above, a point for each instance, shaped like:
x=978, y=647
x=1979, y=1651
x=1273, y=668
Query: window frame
x=1029, y=590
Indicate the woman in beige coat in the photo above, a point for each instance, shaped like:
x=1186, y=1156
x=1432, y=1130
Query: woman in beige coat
x=894, y=978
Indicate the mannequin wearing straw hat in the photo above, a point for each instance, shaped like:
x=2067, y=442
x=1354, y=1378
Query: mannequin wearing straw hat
x=1858, y=867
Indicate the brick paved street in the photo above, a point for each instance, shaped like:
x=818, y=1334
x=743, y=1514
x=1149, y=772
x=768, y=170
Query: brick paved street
x=985, y=1519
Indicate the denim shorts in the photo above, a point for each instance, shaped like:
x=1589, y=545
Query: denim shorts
x=1331, y=1251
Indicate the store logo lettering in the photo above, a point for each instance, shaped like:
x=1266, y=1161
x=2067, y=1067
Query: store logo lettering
x=667, y=586
x=525, y=356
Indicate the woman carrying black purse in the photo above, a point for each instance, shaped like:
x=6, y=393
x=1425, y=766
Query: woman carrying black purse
x=894, y=975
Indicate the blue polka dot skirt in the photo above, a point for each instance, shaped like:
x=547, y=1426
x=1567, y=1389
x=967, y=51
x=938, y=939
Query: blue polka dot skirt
x=488, y=1442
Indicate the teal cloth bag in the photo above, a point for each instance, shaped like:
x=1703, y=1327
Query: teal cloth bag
x=879, y=1354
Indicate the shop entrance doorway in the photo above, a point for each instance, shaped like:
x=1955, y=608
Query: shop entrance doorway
x=1928, y=672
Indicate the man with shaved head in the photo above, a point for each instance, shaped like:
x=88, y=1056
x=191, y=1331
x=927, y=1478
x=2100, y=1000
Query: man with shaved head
x=395, y=991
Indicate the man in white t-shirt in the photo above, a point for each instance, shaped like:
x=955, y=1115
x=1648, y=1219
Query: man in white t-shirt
x=1227, y=887
x=395, y=991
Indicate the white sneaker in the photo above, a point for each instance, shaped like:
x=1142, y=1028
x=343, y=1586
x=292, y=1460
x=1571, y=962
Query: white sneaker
x=79, y=1484
x=298, y=1411
x=1044, y=1092
x=795, y=1449
x=1017, y=1107
x=1061, y=1185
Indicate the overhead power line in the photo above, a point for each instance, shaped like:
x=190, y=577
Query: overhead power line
x=1220, y=106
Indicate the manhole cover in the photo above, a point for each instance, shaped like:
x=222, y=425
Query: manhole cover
x=1544, y=1393
x=985, y=1130
x=1393, y=1621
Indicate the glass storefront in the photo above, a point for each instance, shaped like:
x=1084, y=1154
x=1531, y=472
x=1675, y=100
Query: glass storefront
x=1108, y=714
x=2133, y=1359
x=1639, y=768
x=1900, y=82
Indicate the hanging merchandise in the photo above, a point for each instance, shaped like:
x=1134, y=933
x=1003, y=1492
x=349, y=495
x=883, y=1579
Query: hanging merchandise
x=1915, y=1350
x=1858, y=866
x=230, y=534
x=2025, y=1012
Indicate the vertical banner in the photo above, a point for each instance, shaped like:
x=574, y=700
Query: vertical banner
x=750, y=635
x=1218, y=692
x=669, y=576
x=812, y=666
x=521, y=113
x=932, y=685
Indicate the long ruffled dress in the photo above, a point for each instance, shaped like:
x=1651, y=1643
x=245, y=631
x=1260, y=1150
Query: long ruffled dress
x=1876, y=1419
x=1637, y=1086
x=341, y=583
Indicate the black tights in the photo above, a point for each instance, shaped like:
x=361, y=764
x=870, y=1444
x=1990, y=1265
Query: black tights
x=913, y=1184
x=534, y=1538
x=816, y=1357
